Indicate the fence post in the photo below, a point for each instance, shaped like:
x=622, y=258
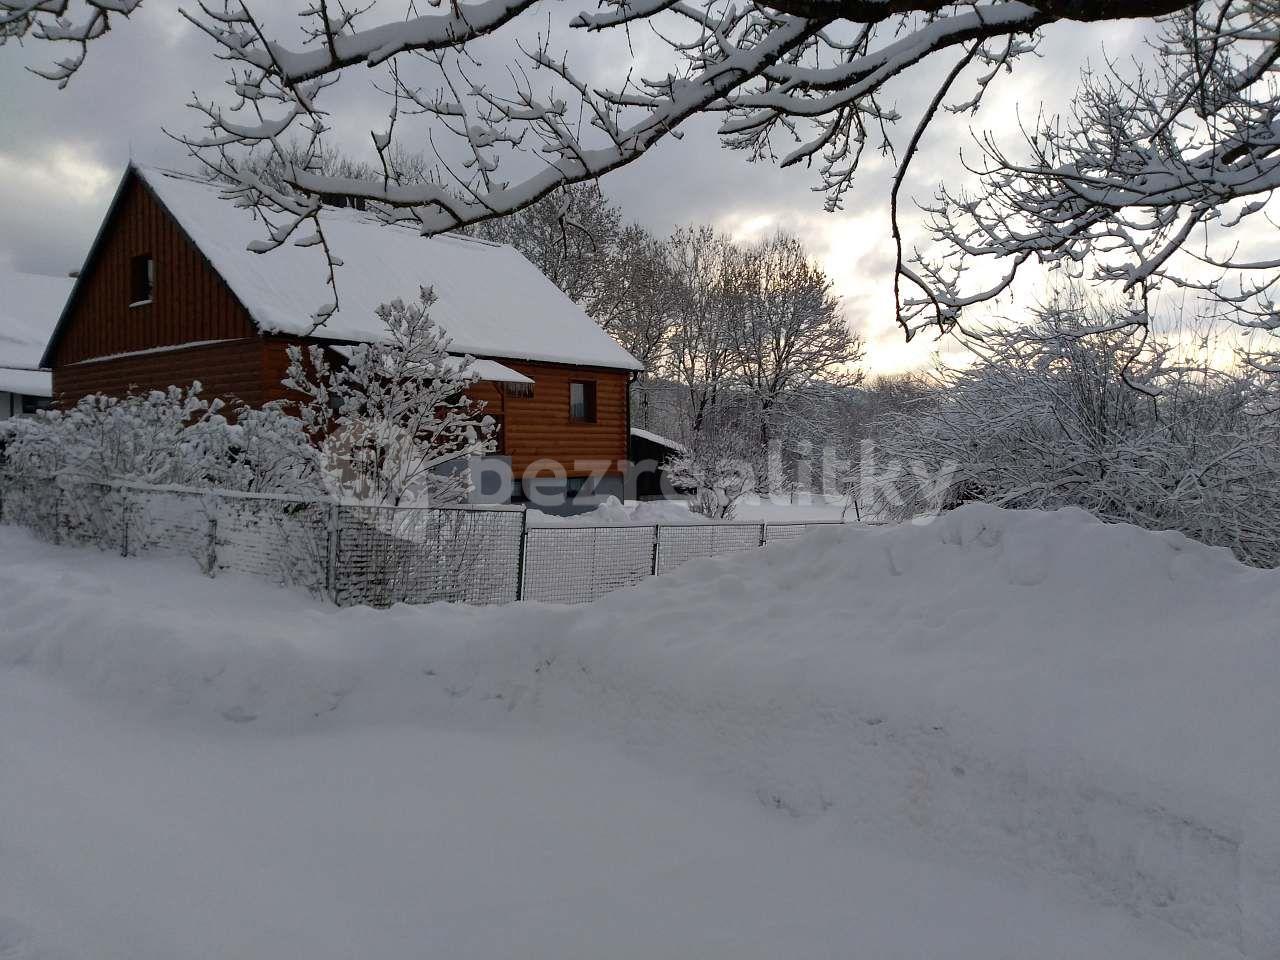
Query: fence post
x=124, y=522
x=521, y=558
x=331, y=566
x=657, y=542
x=211, y=545
x=764, y=534
x=57, y=513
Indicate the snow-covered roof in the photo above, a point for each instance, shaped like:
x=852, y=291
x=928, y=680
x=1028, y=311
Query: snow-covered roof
x=656, y=438
x=29, y=309
x=30, y=383
x=491, y=300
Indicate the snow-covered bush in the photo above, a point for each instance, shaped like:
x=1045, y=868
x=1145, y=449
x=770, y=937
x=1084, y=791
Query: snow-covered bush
x=714, y=469
x=171, y=436
x=161, y=436
x=267, y=451
x=1085, y=408
x=395, y=423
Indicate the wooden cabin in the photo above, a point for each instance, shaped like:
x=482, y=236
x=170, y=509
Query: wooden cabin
x=170, y=294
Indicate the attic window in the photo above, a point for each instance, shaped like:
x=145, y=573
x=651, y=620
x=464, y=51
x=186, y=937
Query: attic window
x=142, y=279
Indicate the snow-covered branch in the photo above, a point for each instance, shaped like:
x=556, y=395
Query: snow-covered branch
x=74, y=22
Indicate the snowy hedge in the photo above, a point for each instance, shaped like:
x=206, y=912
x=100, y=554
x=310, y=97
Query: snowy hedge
x=1088, y=410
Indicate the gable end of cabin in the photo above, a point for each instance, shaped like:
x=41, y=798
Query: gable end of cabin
x=148, y=310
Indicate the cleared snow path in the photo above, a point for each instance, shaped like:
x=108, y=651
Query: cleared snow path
x=122, y=840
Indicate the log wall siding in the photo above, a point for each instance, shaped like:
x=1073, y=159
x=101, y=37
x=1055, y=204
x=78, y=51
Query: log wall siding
x=539, y=426
x=532, y=427
x=231, y=370
x=190, y=302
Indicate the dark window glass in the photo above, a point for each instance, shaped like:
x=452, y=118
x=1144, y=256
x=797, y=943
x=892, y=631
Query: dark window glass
x=142, y=278
x=582, y=401
x=574, y=486
x=31, y=404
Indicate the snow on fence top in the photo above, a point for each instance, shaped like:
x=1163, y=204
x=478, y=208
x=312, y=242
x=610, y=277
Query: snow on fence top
x=29, y=309
x=491, y=300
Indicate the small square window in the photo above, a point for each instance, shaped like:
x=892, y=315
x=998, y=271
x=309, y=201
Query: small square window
x=142, y=279
x=582, y=401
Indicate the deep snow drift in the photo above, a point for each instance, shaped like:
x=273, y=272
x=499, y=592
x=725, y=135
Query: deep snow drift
x=1025, y=694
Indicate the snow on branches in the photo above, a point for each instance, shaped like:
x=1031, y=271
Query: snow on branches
x=1048, y=416
x=75, y=22
x=796, y=81
x=1153, y=179
x=395, y=423
x=1149, y=180
x=160, y=437
x=391, y=426
x=171, y=436
x=717, y=473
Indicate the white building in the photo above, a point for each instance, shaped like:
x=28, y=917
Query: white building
x=29, y=309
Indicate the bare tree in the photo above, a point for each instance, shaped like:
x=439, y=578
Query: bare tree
x=714, y=468
x=703, y=308
x=790, y=331
x=637, y=306
x=570, y=236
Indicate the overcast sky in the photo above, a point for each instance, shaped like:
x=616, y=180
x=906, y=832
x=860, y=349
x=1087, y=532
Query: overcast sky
x=62, y=152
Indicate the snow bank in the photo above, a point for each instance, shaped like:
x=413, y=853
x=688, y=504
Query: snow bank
x=615, y=512
x=1038, y=688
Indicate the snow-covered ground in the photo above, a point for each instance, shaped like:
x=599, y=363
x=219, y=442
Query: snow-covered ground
x=129, y=840
x=753, y=509
x=1000, y=735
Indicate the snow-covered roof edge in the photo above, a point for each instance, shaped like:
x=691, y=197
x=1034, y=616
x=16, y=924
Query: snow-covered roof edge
x=31, y=383
x=657, y=438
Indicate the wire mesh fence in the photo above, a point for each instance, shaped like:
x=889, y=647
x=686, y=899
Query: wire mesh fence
x=575, y=564
x=375, y=555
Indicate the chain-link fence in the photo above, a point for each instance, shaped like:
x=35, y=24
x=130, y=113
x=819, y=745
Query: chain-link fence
x=361, y=554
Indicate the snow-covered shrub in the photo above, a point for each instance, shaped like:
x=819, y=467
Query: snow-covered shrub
x=269, y=451
x=714, y=469
x=1090, y=410
x=395, y=422
x=171, y=436
x=161, y=436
